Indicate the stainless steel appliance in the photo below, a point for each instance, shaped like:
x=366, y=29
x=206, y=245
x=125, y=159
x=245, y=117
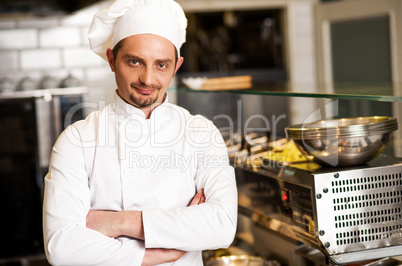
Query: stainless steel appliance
x=350, y=214
x=30, y=121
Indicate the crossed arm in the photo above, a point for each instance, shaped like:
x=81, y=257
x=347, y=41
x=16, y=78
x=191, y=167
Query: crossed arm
x=129, y=223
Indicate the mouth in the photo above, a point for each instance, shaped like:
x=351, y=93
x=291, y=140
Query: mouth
x=144, y=90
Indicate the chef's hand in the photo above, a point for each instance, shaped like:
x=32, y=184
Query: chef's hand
x=154, y=256
x=199, y=198
x=159, y=255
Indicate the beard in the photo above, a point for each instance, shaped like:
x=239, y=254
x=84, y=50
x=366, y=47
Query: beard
x=143, y=101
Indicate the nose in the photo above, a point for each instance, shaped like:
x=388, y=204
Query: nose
x=146, y=76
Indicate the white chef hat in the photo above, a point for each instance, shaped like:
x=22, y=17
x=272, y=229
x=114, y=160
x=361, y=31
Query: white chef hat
x=125, y=18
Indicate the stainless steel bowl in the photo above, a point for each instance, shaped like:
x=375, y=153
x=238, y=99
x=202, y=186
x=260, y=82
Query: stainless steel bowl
x=343, y=142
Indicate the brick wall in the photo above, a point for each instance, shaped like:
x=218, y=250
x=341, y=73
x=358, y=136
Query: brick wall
x=56, y=46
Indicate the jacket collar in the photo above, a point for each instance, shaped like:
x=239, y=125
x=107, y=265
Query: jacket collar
x=161, y=113
x=122, y=107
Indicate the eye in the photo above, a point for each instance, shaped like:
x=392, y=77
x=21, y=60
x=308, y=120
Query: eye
x=133, y=62
x=162, y=65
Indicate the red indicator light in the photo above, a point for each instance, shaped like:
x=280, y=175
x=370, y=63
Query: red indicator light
x=285, y=196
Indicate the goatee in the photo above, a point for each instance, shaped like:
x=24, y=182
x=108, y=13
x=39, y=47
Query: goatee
x=143, y=101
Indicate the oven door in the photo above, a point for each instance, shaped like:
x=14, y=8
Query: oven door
x=20, y=198
x=29, y=128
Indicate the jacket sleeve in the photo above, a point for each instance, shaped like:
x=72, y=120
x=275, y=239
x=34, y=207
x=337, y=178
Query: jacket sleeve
x=210, y=225
x=66, y=204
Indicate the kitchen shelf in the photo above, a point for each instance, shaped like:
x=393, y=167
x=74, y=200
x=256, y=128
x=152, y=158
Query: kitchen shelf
x=384, y=92
x=45, y=93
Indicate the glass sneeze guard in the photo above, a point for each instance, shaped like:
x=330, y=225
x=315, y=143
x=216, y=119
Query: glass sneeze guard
x=387, y=92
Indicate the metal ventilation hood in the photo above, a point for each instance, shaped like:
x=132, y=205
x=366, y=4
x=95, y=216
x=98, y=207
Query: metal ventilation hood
x=43, y=7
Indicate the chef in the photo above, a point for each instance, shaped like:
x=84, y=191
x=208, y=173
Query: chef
x=142, y=181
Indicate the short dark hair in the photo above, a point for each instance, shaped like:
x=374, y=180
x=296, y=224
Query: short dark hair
x=117, y=47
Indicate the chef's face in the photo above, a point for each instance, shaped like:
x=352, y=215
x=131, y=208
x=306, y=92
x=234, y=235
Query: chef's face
x=144, y=66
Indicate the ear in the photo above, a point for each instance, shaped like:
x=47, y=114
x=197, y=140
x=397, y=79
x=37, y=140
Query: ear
x=110, y=58
x=178, y=64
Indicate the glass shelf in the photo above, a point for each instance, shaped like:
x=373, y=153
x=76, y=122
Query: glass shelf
x=385, y=92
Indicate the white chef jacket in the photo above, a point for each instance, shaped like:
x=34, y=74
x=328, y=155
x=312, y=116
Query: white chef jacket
x=117, y=160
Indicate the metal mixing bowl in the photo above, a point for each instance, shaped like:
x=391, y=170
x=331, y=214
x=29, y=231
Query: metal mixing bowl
x=345, y=141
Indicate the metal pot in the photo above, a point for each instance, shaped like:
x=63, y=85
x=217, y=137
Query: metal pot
x=240, y=260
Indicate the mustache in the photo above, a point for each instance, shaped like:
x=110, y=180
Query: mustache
x=144, y=86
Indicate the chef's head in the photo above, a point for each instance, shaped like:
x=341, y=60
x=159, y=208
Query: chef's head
x=141, y=41
x=124, y=18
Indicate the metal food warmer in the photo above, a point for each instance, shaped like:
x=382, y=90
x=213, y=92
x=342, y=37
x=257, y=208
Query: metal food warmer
x=350, y=214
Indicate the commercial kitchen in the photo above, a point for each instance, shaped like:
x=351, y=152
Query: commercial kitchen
x=306, y=93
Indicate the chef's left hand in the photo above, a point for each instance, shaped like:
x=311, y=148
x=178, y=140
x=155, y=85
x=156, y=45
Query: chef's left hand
x=199, y=198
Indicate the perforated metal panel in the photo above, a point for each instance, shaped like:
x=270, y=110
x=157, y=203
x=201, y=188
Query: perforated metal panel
x=359, y=209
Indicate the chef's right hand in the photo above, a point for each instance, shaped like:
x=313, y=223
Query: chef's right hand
x=154, y=256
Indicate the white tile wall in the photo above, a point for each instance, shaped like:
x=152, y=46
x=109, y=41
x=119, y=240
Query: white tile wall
x=60, y=37
x=7, y=24
x=101, y=79
x=54, y=46
x=81, y=57
x=9, y=60
x=18, y=39
x=36, y=23
x=40, y=59
x=96, y=77
x=84, y=36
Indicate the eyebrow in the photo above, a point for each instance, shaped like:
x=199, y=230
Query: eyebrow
x=131, y=56
x=141, y=60
x=167, y=60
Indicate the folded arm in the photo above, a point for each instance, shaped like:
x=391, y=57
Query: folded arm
x=206, y=226
x=67, y=201
x=129, y=223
